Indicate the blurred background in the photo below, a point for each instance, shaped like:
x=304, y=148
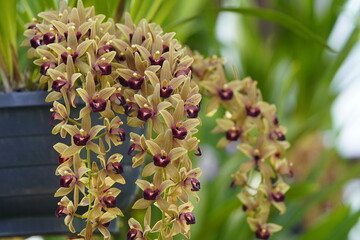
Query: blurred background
x=305, y=55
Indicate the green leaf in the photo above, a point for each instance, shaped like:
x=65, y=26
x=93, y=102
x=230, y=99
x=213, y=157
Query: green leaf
x=282, y=19
x=334, y=226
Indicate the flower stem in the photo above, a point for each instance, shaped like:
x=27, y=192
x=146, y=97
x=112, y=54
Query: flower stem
x=74, y=122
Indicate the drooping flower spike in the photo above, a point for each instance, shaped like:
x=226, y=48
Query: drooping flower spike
x=252, y=124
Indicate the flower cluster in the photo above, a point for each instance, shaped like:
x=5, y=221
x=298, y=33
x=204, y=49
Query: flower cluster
x=253, y=125
x=140, y=74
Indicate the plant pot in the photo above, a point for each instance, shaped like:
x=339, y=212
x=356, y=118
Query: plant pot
x=27, y=167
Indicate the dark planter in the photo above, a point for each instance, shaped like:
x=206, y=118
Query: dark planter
x=27, y=166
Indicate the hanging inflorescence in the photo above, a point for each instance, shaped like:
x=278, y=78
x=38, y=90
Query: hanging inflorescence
x=253, y=125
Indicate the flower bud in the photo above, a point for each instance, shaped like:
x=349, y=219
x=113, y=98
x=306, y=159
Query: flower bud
x=48, y=38
x=160, y=160
x=105, y=68
x=67, y=180
x=189, y=218
x=57, y=85
x=80, y=140
x=179, y=132
x=150, y=194
x=109, y=201
x=45, y=67
x=144, y=114
x=35, y=41
x=252, y=111
x=165, y=92
x=226, y=94
x=98, y=104
x=233, y=134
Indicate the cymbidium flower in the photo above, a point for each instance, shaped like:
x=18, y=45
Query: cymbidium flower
x=152, y=193
x=163, y=155
x=72, y=49
x=168, y=83
x=263, y=230
x=181, y=217
x=114, y=134
x=66, y=206
x=175, y=122
x=188, y=184
x=63, y=83
x=46, y=62
x=276, y=193
x=221, y=91
x=82, y=138
x=72, y=179
x=105, y=195
x=95, y=101
x=136, y=231
x=149, y=110
x=63, y=161
x=234, y=130
x=138, y=145
x=113, y=167
x=60, y=113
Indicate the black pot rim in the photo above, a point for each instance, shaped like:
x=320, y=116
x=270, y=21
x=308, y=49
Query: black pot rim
x=23, y=99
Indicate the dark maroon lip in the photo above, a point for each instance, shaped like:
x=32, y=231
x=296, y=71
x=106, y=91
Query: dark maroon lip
x=252, y=111
x=233, y=134
x=81, y=140
x=226, y=94
x=98, y=104
x=179, y=132
x=144, y=114
x=189, y=218
x=136, y=83
x=165, y=92
x=150, y=194
x=161, y=161
x=57, y=85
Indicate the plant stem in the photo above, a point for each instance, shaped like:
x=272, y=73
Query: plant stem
x=74, y=122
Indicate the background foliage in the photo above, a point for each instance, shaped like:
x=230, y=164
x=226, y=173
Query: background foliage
x=280, y=43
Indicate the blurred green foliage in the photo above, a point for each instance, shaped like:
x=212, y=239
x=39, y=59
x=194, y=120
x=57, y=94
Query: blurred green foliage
x=280, y=43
